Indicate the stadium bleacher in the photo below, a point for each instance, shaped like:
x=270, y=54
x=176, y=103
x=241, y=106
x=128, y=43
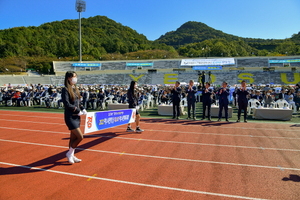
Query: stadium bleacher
x=253, y=69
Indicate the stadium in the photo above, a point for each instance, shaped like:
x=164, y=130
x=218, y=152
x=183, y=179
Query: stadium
x=255, y=70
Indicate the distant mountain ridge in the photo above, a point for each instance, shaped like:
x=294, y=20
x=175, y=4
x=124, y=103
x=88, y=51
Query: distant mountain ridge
x=192, y=32
x=196, y=38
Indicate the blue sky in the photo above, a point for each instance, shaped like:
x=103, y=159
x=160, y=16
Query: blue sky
x=267, y=19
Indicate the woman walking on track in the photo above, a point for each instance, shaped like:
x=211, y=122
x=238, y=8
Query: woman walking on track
x=73, y=110
x=133, y=103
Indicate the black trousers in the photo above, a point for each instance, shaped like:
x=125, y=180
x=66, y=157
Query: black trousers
x=176, y=109
x=208, y=105
x=221, y=107
x=242, y=106
x=191, y=105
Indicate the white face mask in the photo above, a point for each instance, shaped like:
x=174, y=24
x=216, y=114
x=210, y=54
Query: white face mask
x=74, y=80
x=268, y=93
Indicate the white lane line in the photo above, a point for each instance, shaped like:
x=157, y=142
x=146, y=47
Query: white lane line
x=203, y=144
x=130, y=183
x=29, y=122
x=221, y=134
x=197, y=133
x=156, y=157
x=165, y=141
x=37, y=131
x=233, y=127
x=35, y=115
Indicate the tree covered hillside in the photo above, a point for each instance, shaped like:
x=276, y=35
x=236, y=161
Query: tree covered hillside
x=100, y=35
x=102, y=39
x=198, y=39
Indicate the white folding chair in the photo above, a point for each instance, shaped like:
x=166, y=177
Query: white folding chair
x=43, y=100
x=281, y=103
x=253, y=103
x=183, y=101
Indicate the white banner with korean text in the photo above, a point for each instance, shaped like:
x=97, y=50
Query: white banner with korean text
x=215, y=62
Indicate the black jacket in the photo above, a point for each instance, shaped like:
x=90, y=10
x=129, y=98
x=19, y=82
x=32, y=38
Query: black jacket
x=206, y=96
x=191, y=94
x=132, y=99
x=176, y=94
x=242, y=96
x=71, y=107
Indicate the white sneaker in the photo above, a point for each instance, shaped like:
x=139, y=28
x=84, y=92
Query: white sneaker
x=76, y=160
x=70, y=158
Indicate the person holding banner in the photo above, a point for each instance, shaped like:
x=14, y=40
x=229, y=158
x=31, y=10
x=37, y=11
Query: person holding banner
x=73, y=110
x=133, y=103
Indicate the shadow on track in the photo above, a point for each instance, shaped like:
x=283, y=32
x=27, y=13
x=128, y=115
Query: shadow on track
x=187, y=122
x=56, y=160
x=292, y=177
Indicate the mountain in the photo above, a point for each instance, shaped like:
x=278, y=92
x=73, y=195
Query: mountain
x=193, y=32
x=198, y=39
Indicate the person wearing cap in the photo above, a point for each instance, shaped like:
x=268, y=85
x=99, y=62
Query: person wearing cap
x=51, y=98
x=38, y=95
x=16, y=97
x=85, y=97
x=28, y=98
x=7, y=95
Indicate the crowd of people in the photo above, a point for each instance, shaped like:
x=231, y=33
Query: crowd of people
x=96, y=97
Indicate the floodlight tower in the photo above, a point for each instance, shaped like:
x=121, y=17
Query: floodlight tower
x=80, y=7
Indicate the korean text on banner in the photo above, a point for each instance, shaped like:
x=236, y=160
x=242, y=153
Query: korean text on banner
x=96, y=121
x=205, y=62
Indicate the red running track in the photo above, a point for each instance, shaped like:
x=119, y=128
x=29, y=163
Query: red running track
x=172, y=159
